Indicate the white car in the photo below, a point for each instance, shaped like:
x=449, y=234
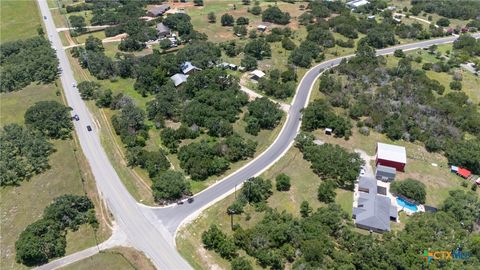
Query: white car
x=74, y=84
x=362, y=172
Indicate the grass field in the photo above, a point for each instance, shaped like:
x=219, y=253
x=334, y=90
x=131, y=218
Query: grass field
x=69, y=174
x=121, y=258
x=18, y=19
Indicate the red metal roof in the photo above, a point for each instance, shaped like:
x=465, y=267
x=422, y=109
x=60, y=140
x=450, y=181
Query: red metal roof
x=464, y=172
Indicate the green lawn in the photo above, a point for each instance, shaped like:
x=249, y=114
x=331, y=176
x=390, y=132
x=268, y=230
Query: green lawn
x=24, y=204
x=121, y=258
x=18, y=19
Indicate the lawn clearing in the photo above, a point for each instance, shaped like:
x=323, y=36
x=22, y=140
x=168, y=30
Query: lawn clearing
x=121, y=258
x=18, y=19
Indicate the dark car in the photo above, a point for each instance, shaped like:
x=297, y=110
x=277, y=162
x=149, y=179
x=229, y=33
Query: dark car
x=190, y=200
x=44, y=17
x=89, y=128
x=76, y=117
x=180, y=202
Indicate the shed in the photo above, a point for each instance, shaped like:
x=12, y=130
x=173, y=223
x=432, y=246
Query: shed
x=163, y=30
x=464, y=173
x=392, y=156
x=189, y=68
x=357, y=3
x=262, y=27
x=157, y=10
x=232, y=66
x=328, y=131
x=385, y=173
x=241, y=69
x=257, y=74
x=178, y=79
x=454, y=169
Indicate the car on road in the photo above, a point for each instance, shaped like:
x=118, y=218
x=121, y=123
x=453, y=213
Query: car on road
x=89, y=128
x=76, y=117
x=190, y=200
x=74, y=84
x=180, y=202
x=44, y=17
x=362, y=172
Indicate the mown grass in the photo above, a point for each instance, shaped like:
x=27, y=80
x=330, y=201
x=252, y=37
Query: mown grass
x=119, y=258
x=18, y=19
x=69, y=174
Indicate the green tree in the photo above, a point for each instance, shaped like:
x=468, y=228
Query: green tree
x=305, y=209
x=256, y=10
x=410, y=188
x=70, y=211
x=78, y=23
x=39, y=242
x=50, y=118
x=23, y=154
x=258, y=48
x=198, y=2
x=212, y=18
x=288, y=44
x=464, y=207
x=399, y=53
x=240, y=263
x=227, y=20
x=282, y=182
x=455, y=85
x=169, y=186
x=249, y=62
x=265, y=111
x=165, y=44
x=443, y=22
x=326, y=191
x=275, y=15
x=242, y=21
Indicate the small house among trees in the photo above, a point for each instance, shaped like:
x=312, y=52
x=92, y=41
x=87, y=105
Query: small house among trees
x=257, y=74
x=163, y=30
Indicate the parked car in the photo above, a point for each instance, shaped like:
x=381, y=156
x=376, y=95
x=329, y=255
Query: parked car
x=362, y=172
x=76, y=117
x=180, y=202
x=190, y=200
x=74, y=84
x=89, y=128
x=44, y=17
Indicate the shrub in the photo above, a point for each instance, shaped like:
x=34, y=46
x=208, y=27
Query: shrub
x=411, y=189
x=283, y=182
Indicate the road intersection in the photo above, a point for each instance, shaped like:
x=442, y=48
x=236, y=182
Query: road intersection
x=152, y=229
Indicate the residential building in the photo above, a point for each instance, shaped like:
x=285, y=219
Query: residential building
x=257, y=74
x=385, y=173
x=189, y=68
x=262, y=28
x=392, y=156
x=357, y=3
x=373, y=211
x=163, y=30
x=157, y=10
x=178, y=79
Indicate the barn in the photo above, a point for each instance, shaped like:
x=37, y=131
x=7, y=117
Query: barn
x=391, y=156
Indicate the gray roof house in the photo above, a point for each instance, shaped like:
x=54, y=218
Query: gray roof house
x=163, y=30
x=188, y=68
x=158, y=10
x=385, y=173
x=178, y=79
x=373, y=212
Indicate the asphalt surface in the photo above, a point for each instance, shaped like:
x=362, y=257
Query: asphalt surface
x=152, y=229
x=141, y=233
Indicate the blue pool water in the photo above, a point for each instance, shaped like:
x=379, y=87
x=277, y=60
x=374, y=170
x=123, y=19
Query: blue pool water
x=409, y=206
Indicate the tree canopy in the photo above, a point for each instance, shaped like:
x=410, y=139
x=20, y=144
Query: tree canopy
x=410, y=188
x=50, y=118
x=27, y=61
x=23, y=154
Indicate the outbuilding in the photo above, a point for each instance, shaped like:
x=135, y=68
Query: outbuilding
x=178, y=79
x=385, y=173
x=328, y=131
x=391, y=156
x=257, y=74
x=464, y=173
x=189, y=68
x=357, y=3
x=157, y=10
x=262, y=28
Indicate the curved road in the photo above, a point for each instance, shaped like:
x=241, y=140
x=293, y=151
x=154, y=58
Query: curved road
x=152, y=229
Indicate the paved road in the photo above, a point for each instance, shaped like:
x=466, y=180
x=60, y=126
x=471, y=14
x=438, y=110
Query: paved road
x=150, y=229
x=173, y=217
x=150, y=238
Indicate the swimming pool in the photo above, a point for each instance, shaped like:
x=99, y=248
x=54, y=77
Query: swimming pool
x=410, y=206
